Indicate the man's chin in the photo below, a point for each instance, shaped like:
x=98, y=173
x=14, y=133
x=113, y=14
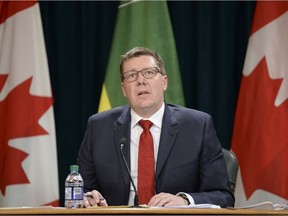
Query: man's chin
x=146, y=109
x=145, y=105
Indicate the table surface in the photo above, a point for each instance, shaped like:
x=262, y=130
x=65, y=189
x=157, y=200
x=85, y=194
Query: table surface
x=135, y=211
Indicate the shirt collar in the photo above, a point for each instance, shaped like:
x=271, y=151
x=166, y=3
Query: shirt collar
x=156, y=118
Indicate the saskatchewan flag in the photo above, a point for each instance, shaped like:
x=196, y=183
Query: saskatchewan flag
x=142, y=24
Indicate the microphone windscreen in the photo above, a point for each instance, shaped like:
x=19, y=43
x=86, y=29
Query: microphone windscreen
x=123, y=140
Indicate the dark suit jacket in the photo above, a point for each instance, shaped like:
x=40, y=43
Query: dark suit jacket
x=189, y=160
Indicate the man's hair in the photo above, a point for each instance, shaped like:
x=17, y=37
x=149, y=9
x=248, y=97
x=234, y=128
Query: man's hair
x=142, y=51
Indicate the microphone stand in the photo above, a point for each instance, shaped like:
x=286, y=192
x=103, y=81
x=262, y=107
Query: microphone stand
x=136, y=199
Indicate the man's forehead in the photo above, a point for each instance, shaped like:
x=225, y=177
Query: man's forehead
x=139, y=62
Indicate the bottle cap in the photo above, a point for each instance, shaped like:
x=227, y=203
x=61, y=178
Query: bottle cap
x=74, y=168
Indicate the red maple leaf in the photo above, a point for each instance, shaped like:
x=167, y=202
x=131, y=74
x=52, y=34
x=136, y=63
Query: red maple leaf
x=260, y=138
x=19, y=115
x=3, y=79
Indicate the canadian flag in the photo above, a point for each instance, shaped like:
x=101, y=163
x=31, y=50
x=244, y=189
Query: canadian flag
x=28, y=157
x=260, y=135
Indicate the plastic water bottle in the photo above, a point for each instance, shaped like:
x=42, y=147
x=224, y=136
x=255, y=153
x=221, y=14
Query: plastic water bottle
x=74, y=188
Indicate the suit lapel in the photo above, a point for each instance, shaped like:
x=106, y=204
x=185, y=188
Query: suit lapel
x=122, y=129
x=167, y=139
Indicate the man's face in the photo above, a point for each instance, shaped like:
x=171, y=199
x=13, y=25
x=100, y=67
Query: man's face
x=145, y=96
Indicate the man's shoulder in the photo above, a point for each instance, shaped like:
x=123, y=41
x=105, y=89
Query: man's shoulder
x=112, y=113
x=181, y=110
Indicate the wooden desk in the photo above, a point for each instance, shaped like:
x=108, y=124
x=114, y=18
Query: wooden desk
x=136, y=211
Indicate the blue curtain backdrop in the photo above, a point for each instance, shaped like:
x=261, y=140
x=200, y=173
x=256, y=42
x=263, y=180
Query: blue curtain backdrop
x=211, y=40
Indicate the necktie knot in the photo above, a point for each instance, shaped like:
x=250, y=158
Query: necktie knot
x=145, y=124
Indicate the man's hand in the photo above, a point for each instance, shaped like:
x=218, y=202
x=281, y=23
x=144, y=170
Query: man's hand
x=166, y=199
x=94, y=198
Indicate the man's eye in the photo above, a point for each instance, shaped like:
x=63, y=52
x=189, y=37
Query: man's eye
x=149, y=72
x=132, y=75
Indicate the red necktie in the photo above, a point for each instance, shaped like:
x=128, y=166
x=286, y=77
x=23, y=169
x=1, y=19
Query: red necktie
x=145, y=164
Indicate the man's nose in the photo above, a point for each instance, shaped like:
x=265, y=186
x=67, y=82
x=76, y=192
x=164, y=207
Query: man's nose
x=140, y=78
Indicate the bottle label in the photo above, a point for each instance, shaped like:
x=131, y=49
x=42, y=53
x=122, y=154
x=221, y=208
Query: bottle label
x=78, y=193
x=74, y=193
x=68, y=192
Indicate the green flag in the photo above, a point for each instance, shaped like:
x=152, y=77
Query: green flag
x=142, y=24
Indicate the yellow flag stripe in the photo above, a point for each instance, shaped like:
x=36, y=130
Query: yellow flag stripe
x=104, y=100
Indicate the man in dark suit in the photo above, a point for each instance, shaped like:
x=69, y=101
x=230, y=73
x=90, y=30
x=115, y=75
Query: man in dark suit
x=188, y=159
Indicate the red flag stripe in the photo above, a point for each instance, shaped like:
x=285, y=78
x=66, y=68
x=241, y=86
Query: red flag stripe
x=272, y=11
x=9, y=8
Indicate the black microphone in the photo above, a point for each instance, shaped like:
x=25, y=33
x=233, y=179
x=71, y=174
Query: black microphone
x=136, y=199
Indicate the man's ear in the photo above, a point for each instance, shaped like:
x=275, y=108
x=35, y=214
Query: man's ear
x=123, y=89
x=165, y=82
